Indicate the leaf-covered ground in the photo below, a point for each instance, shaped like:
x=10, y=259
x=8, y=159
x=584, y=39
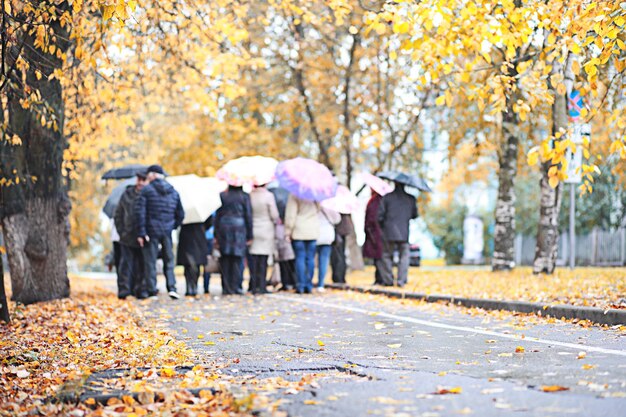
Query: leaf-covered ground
x=596, y=287
x=50, y=349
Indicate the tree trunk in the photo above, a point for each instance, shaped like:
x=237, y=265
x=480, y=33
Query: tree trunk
x=347, y=130
x=4, y=305
x=35, y=208
x=550, y=206
x=504, y=231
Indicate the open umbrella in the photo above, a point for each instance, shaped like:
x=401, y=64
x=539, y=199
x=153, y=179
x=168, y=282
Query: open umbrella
x=375, y=183
x=306, y=179
x=127, y=171
x=115, y=196
x=200, y=196
x=343, y=202
x=248, y=170
x=406, y=179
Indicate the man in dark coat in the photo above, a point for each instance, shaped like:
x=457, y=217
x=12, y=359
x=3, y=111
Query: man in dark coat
x=192, y=253
x=158, y=211
x=394, y=214
x=130, y=279
x=233, y=234
x=373, y=246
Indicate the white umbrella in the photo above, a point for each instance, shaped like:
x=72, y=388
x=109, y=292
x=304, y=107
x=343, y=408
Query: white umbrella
x=248, y=170
x=200, y=196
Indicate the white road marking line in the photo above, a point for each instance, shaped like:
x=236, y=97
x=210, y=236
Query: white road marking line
x=518, y=338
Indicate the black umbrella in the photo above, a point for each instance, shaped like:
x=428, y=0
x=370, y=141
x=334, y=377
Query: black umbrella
x=115, y=196
x=406, y=179
x=127, y=171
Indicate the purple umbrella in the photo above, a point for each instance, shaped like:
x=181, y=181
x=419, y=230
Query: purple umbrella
x=306, y=179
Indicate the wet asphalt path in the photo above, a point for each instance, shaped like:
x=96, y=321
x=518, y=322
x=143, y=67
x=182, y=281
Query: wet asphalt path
x=376, y=356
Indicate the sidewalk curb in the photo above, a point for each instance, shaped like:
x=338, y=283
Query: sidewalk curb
x=610, y=317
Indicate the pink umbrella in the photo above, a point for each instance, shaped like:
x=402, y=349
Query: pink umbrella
x=306, y=179
x=344, y=202
x=375, y=183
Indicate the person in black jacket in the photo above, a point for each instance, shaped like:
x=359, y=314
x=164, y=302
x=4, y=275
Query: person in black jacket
x=158, y=211
x=233, y=234
x=394, y=214
x=130, y=279
x=192, y=253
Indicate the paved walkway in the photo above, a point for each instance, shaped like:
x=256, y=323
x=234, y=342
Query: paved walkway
x=374, y=355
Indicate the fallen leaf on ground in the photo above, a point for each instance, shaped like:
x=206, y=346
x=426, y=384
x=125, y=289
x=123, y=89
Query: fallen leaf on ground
x=553, y=388
x=444, y=391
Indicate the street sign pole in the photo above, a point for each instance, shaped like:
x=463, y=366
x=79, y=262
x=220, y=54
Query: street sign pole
x=572, y=225
x=574, y=105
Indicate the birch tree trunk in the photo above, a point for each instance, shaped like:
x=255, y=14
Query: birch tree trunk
x=35, y=209
x=546, y=250
x=504, y=231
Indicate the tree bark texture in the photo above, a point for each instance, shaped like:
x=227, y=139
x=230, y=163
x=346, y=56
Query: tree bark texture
x=546, y=250
x=4, y=305
x=35, y=210
x=504, y=231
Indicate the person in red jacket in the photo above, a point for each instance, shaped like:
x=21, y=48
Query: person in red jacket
x=373, y=246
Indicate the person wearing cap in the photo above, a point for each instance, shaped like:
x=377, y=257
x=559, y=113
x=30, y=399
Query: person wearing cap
x=394, y=215
x=130, y=279
x=158, y=211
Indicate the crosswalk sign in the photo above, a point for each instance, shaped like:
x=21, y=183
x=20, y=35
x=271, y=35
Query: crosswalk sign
x=574, y=104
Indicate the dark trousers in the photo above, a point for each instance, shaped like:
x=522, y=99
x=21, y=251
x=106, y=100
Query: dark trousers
x=378, y=280
x=258, y=274
x=338, y=260
x=130, y=278
x=150, y=252
x=206, y=279
x=192, y=274
x=231, y=272
x=386, y=264
x=117, y=259
x=288, y=273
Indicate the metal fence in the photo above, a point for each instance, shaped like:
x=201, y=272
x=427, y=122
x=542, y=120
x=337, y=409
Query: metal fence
x=598, y=248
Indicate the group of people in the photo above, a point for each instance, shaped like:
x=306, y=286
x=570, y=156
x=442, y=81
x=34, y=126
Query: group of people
x=144, y=219
x=264, y=223
x=252, y=227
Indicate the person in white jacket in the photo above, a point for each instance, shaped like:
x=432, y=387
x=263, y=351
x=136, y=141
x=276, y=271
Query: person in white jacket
x=328, y=220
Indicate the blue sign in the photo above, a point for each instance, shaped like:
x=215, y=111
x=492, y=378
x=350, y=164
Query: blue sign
x=574, y=104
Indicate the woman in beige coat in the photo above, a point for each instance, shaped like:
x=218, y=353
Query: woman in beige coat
x=303, y=228
x=264, y=219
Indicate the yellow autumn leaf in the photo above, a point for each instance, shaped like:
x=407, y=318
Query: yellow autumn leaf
x=533, y=158
x=553, y=388
x=395, y=345
x=319, y=342
x=441, y=100
x=107, y=12
x=553, y=181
